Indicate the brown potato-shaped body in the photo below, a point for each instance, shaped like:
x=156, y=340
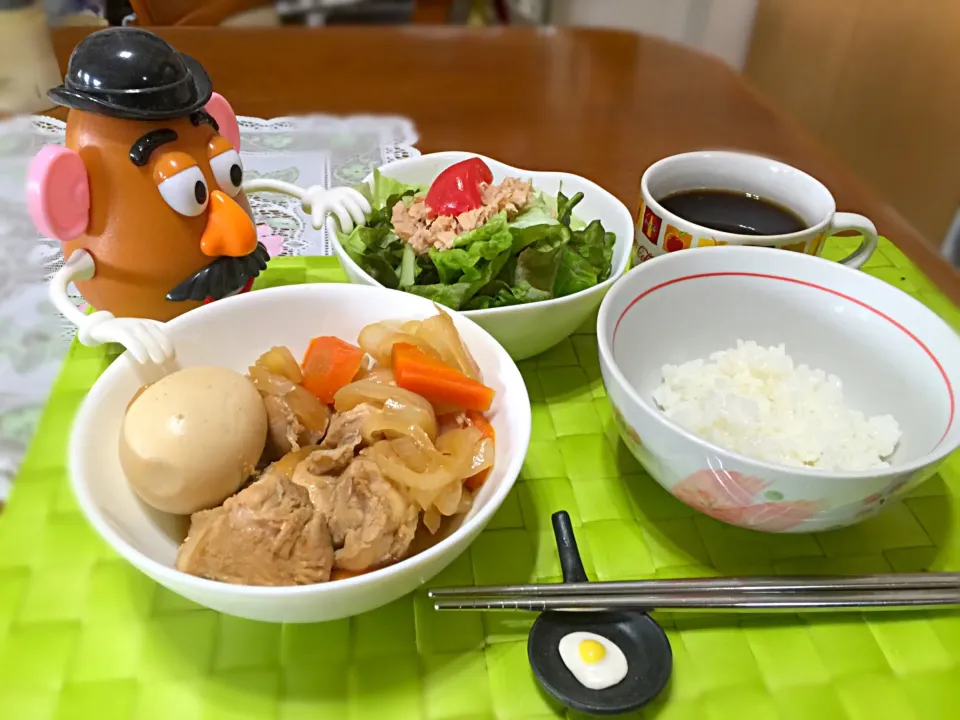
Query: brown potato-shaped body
x=142, y=247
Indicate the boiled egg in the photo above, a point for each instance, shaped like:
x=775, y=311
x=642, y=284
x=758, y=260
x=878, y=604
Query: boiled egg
x=189, y=441
x=594, y=661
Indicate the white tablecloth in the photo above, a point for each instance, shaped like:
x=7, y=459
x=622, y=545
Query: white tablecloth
x=33, y=337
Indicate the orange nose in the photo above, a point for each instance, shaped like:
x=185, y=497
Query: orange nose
x=229, y=229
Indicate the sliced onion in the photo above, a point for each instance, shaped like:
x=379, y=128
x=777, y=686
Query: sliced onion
x=441, y=334
x=280, y=361
x=448, y=501
x=394, y=398
x=461, y=442
x=312, y=412
x=286, y=465
x=372, y=337
x=432, y=520
x=394, y=468
x=466, y=504
x=269, y=383
x=377, y=374
x=418, y=453
x=452, y=464
x=377, y=340
x=483, y=457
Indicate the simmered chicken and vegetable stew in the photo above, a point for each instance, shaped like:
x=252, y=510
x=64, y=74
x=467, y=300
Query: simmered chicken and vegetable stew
x=365, y=448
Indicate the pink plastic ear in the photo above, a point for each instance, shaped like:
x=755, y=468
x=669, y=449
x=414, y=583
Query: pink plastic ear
x=58, y=193
x=226, y=118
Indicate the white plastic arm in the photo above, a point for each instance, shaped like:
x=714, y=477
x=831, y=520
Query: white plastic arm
x=347, y=205
x=79, y=266
x=144, y=339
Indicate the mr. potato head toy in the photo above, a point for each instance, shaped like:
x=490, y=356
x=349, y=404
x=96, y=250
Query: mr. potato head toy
x=146, y=196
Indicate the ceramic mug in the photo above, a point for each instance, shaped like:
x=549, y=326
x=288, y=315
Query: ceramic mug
x=660, y=231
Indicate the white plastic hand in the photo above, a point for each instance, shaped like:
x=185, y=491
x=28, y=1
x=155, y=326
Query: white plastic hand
x=146, y=340
x=347, y=205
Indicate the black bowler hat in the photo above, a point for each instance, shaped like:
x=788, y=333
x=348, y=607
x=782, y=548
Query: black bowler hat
x=132, y=74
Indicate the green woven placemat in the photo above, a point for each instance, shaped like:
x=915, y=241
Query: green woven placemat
x=85, y=636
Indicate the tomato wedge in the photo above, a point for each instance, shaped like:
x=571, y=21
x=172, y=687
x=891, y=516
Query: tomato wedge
x=457, y=189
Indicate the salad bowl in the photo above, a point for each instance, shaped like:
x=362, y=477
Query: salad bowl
x=528, y=328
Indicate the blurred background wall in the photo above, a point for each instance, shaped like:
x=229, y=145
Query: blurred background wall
x=876, y=81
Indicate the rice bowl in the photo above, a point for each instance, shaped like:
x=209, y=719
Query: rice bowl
x=895, y=356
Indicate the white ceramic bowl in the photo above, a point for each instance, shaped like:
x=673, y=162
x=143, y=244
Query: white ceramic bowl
x=233, y=333
x=524, y=330
x=893, y=355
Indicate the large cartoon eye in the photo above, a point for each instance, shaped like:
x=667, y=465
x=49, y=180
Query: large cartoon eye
x=228, y=170
x=186, y=192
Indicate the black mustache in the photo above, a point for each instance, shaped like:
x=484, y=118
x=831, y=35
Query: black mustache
x=221, y=277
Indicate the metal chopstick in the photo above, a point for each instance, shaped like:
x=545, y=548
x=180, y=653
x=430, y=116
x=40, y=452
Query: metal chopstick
x=741, y=584
x=702, y=600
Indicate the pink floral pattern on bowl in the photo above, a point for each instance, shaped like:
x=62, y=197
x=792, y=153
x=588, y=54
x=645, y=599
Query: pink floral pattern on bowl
x=630, y=436
x=872, y=503
x=733, y=498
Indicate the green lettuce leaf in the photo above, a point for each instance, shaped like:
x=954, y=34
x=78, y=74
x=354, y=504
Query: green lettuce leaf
x=456, y=264
x=491, y=227
x=596, y=247
x=526, y=236
x=385, y=191
x=537, y=266
x=541, y=211
x=574, y=274
x=565, y=207
x=408, y=267
x=377, y=250
x=452, y=296
x=464, y=261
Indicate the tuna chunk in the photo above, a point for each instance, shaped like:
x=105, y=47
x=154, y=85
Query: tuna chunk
x=268, y=534
x=413, y=224
x=512, y=195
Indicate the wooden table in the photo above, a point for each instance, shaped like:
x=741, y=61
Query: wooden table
x=597, y=103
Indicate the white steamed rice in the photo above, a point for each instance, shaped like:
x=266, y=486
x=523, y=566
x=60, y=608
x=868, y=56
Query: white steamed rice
x=755, y=401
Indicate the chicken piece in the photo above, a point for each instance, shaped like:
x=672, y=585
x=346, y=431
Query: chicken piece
x=371, y=522
x=285, y=432
x=268, y=534
x=346, y=427
x=344, y=436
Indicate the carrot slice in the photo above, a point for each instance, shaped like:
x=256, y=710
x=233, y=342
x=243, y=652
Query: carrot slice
x=480, y=422
x=477, y=420
x=436, y=381
x=328, y=365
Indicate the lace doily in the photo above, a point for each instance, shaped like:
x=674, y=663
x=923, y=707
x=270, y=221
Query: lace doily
x=314, y=150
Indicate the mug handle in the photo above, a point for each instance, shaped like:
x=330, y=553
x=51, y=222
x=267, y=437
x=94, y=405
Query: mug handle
x=852, y=221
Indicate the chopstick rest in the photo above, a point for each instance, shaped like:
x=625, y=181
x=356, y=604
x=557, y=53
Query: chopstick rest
x=649, y=659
